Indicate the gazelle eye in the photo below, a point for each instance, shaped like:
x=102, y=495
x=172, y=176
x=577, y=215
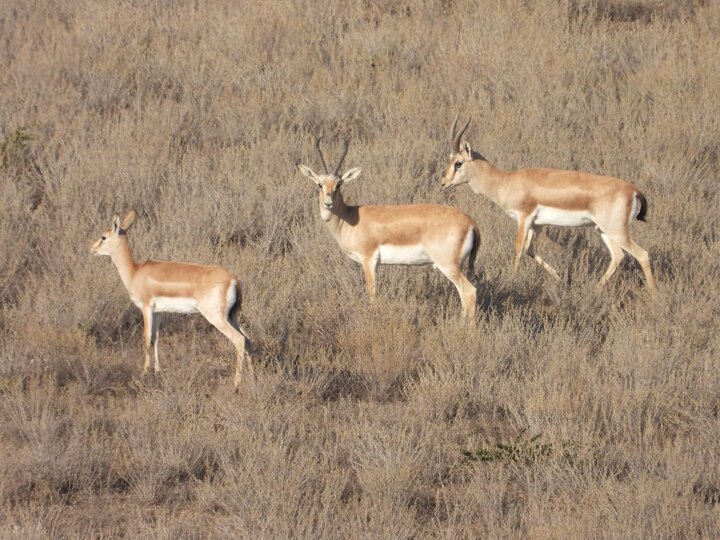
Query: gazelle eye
x=103, y=237
x=458, y=164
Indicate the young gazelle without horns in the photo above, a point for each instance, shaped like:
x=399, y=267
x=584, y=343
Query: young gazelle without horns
x=536, y=197
x=163, y=286
x=407, y=235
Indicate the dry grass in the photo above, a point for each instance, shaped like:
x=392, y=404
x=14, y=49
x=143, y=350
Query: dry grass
x=567, y=413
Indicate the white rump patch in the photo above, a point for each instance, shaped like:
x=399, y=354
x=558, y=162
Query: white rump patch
x=547, y=215
x=167, y=304
x=231, y=296
x=467, y=244
x=410, y=255
x=635, y=210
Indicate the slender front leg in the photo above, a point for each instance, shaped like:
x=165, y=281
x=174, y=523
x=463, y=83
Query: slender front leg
x=370, y=270
x=147, y=335
x=524, y=223
x=154, y=339
x=616, y=255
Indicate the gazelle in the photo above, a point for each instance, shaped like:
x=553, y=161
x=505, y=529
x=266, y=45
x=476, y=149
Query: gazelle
x=537, y=197
x=407, y=235
x=163, y=286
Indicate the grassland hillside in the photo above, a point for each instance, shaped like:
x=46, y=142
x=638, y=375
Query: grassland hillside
x=568, y=412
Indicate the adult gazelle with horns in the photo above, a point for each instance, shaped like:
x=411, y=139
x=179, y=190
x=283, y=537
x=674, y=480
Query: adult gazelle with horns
x=537, y=197
x=406, y=234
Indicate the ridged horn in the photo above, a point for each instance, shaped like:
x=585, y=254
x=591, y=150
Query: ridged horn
x=317, y=144
x=452, y=131
x=342, y=158
x=458, y=136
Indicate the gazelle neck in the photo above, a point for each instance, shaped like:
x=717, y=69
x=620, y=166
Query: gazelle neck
x=341, y=215
x=487, y=179
x=124, y=261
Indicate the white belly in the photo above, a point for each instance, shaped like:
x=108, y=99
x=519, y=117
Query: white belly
x=411, y=255
x=546, y=215
x=174, y=305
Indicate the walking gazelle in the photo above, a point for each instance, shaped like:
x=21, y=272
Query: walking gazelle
x=163, y=286
x=537, y=197
x=406, y=235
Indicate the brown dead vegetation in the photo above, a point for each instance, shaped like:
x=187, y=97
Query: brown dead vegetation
x=567, y=412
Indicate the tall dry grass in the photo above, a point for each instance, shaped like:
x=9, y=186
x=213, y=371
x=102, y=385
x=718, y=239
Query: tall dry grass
x=568, y=412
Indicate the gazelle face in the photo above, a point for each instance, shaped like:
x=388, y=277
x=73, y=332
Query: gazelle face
x=110, y=240
x=328, y=186
x=106, y=244
x=456, y=170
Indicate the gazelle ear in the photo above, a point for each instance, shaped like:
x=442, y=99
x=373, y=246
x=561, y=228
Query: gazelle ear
x=351, y=174
x=116, y=224
x=128, y=220
x=307, y=171
x=466, y=148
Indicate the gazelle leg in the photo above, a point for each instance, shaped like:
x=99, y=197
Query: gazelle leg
x=642, y=257
x=154, y=339
x=370, y=271
x=524, y=224
x=222, y=323
x=242, y=356
x=243, y=360
x=470, y=301
x=616, y=255
x=530, y=250
x=242, y=347
x=148, y=318
x=466, y=290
